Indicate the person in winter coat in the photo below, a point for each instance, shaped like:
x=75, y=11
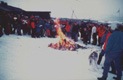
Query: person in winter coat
x=48, y=29
x=68, y=29
x=39, y=28
x=94, y=35
x=75, y=32
x=19, y=25
x=106, y=36
x=100, y=31
x=15, y=24
x=85, y=36
x=24, y=25
x=33, y=27
x=89, y=28
x=113, y=52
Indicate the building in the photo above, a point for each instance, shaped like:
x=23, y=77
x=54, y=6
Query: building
x=42, y=14
x=4, y=7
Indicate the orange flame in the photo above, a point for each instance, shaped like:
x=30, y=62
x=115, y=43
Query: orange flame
x=64, y=41
x=59, y=31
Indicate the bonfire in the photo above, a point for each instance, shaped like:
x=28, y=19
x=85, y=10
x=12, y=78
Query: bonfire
x=64, y=42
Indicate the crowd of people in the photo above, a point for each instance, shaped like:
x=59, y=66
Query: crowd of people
x=38, y=27
x=21, y=25
x=102, y=35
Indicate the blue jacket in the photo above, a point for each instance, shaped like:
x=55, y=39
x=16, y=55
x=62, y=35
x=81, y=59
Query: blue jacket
x=115, y=44
x=40, y=26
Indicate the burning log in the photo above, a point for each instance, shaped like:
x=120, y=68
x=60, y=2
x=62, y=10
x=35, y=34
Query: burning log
x=66, y=45
x=71, y=47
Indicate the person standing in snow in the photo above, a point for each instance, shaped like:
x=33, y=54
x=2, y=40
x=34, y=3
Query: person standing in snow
x=104, y=41
x=68, y=30
x=33, y=27
x=85, y=36
x=100, y=31
x=39, y=28
x=94, y=35
x=19, y=25
x=89, y=29
x=75, y=31
x=113, y=52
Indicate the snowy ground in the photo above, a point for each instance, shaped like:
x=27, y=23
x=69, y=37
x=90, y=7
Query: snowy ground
x=26, y=58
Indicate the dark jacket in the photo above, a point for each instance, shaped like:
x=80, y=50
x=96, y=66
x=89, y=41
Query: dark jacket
x=114, y=46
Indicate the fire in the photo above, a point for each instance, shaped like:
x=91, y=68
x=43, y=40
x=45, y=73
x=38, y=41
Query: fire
x=64, y=43
x=59, y=31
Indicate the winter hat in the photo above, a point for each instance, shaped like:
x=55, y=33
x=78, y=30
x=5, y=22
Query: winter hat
x=120, y=27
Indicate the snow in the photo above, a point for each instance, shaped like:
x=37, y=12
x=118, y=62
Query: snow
x=26, y=58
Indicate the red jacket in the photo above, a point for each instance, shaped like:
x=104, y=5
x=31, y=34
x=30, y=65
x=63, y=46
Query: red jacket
x=33, y=25
x=67, y=28
x=105, y=43
x=100, y=31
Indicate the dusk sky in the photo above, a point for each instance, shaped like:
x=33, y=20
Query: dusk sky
x=92, y=9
